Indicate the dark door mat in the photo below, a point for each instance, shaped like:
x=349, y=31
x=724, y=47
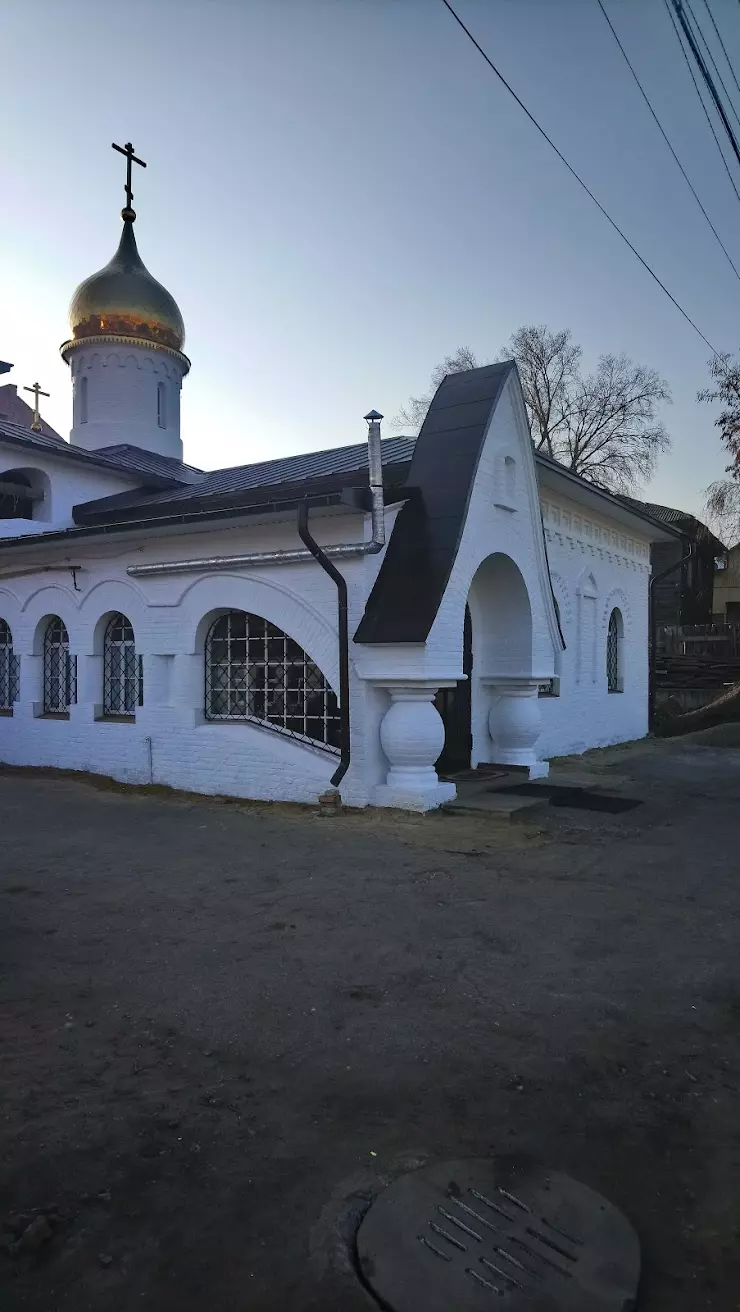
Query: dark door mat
x=580, y=799
x=479, y=773
x=466, y=1237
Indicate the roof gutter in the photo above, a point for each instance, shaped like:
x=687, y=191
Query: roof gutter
x=294, y=555
x=609, y=497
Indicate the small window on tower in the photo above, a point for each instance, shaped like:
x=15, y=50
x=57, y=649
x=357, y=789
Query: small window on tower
x=161, y=405
x=83, y=399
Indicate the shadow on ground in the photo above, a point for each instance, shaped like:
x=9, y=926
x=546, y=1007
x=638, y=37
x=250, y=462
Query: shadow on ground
x=224, y=1028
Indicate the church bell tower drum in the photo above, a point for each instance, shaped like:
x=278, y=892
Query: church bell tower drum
x=125, y=351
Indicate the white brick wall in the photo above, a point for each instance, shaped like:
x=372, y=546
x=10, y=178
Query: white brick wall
x=122, y=381
x=590, y=554
x=67, y=484
x=595, y=566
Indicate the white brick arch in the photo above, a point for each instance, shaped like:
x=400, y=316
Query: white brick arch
x=39, y=609
x=206, y=598
x=501, y=615
x=617, y=598
x=100, y=603
x=563, y=598
x=10, y=610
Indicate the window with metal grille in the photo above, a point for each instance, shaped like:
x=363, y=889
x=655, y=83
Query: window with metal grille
x=122, y=673
x=254, y=671
x=614, y=681
x=60, y=669
x=9, y=669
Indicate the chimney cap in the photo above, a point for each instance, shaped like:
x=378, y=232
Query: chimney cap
x=372, y=416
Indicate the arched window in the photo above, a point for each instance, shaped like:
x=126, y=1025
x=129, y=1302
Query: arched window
x=509, y=477
x=122, y=673
x=161, y=405
x=60, y=669
x=83, y=399
x=615, y=633
x=25, y=494
x=15, y=495
x=9, y=670
x=254, y=671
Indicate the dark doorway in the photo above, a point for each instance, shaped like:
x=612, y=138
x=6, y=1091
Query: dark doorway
x=453, y=705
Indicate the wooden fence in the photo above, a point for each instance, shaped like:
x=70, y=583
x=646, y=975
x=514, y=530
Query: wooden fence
x=697, y=656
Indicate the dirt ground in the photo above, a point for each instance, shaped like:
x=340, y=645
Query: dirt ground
x=224, y=1028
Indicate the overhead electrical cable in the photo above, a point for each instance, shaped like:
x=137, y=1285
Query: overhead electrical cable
x=722, y=44
x=696, y=52
x=707, y=115
x=577, y=176
x=710, y=56
x=662, y=131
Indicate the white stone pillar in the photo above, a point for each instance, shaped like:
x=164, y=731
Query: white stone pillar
x=412, y=737
x=514, y=722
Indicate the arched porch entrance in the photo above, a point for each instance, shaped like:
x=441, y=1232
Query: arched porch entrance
x=492, y=714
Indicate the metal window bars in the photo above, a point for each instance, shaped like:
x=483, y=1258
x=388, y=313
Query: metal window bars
x=60, y=669
x=122, y=673
x=254, y=671
x=9, y=669
x=613, y=672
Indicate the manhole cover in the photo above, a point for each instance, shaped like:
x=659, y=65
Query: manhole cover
x=460, y=1235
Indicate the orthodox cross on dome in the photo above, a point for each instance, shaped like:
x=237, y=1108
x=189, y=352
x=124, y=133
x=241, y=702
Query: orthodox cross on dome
x=131, y=158
x=36, y=389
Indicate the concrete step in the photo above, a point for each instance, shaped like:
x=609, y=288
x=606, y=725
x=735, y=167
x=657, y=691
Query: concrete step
x=501, y=806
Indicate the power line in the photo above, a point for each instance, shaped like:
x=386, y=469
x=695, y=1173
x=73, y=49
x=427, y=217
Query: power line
x=661, y=129
x=696, y=52
x=722, y=44
x=712, y=60
x=701, y=98
x=577, y=177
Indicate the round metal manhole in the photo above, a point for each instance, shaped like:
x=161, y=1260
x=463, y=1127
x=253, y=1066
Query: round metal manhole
x=463, y=1235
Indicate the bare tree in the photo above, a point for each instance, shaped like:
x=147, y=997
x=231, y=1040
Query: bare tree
x=412, y=414
x=603, y=426
x=723, y=496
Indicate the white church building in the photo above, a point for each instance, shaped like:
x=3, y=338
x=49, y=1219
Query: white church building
x=373, y=618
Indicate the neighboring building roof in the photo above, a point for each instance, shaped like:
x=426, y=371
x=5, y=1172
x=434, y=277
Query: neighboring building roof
x=17, y=411
x=688, y=525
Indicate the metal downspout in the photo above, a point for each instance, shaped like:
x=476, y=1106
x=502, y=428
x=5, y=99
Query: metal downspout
x=343, y=633
x=656, y=578
x=377, y=541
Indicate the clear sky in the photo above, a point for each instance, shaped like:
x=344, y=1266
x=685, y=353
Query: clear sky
x=339, y=192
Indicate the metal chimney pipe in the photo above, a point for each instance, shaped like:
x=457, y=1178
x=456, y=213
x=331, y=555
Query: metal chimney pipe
x=296, y=555
x=375, y=479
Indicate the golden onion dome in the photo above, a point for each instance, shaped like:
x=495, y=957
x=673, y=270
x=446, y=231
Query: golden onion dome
x=124, y=300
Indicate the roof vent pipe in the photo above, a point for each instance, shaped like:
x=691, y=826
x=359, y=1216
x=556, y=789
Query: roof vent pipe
x=295, y=555
x=375, y=479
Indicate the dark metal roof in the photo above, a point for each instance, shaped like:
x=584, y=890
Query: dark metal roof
x=19, y=434
x=139, y=461
x=417, y=563
x=313, y=472
x=155, y=471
